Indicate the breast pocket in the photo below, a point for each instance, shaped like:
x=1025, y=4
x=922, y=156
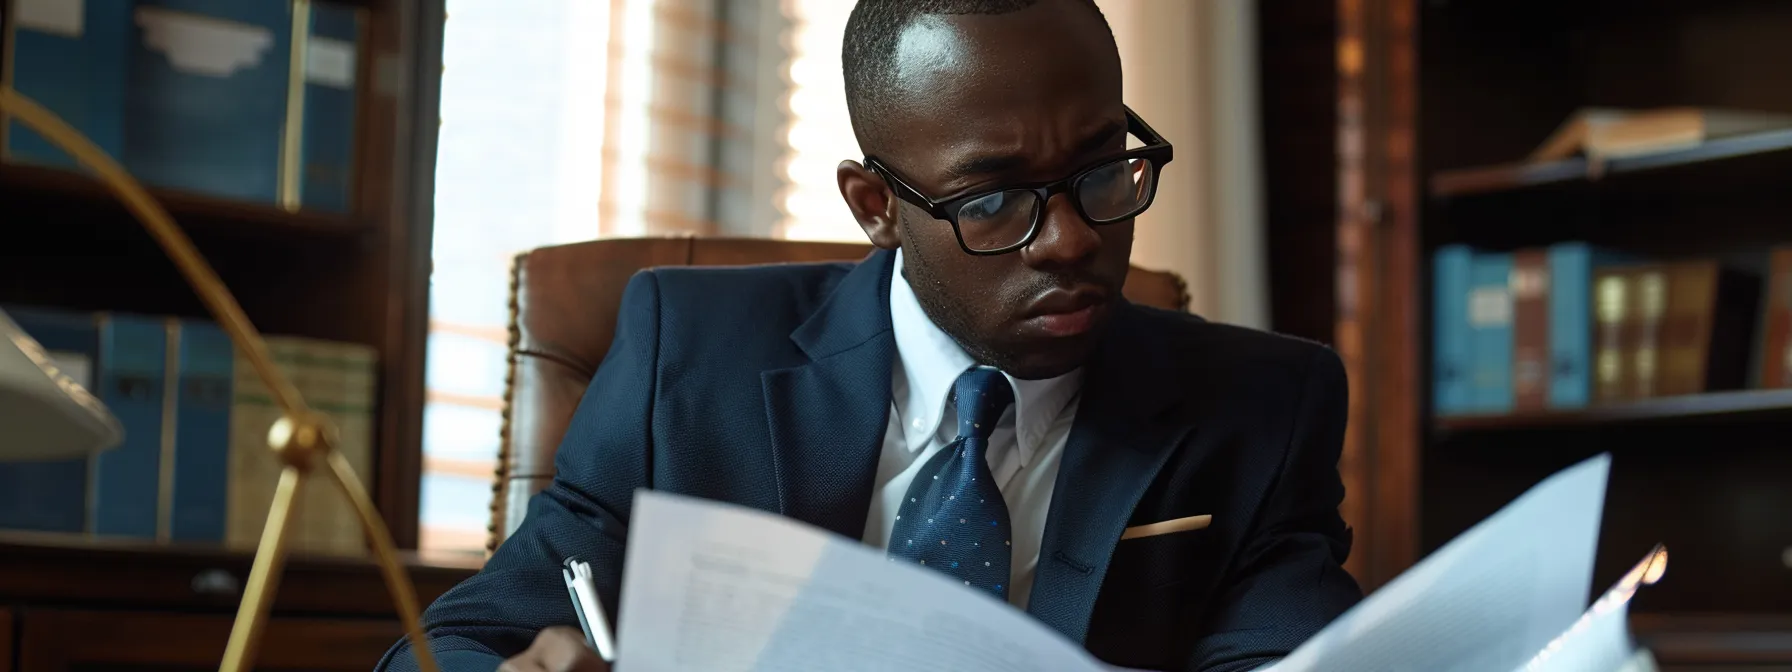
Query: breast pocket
x=1158, y=561
x=1152, y=598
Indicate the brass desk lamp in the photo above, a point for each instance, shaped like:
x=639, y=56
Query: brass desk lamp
x=302, y=438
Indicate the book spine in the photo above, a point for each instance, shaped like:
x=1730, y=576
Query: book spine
x=1490, y=322
x=254, y=468
x=1531, y=327
x=1450, y=329
x=202, y=436
x=1648, y=308
x=332, y=54
x=360, y=379
x=1570, y=325
x=1612, y=291
x=1686, y=327
x=127, y=480
x=76, y=67
x=1776, y=358
x=318, y=383
x=52, y=496
x=230, y=146
x=338, y=381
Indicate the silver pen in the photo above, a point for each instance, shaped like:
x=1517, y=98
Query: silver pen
x=583, y=592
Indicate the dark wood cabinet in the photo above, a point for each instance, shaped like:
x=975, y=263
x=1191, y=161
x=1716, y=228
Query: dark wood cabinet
x=58, y=640
x=361, y=276
x=77, y=604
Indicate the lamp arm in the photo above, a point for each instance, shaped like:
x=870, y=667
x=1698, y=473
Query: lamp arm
x=173, y=240
x=299, y=438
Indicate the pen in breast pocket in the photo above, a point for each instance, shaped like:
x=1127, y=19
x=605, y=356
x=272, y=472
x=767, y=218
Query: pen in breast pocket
x=583, y=592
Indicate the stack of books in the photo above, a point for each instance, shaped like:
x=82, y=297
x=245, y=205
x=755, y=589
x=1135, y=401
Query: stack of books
x=1570, y=325
x=251, y=100
x=194, y=466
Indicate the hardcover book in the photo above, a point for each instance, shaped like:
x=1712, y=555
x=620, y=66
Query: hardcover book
x=1776, y=357
x=1706, y=329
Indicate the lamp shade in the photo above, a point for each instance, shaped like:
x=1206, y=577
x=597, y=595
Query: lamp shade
x=45, y=414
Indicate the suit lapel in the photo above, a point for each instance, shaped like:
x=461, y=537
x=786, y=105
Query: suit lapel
x=828, y=416
x=1120, y=441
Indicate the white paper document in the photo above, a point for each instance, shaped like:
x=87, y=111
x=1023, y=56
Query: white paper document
x=1489, y=600
x=711, y=587
x=1601, y=641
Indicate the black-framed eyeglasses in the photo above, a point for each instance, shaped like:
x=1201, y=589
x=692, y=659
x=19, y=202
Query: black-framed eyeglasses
x=998, y=221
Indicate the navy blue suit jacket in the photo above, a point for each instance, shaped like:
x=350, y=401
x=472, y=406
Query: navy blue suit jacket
x=769, y=387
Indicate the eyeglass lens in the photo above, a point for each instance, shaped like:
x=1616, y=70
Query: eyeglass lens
x=1108, y=193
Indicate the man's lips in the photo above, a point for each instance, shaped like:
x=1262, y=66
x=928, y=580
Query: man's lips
x=1063, y=312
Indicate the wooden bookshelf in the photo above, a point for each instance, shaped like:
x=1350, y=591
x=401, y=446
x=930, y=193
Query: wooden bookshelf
x=1514, y=176
x=1439, y=104
x=35, y=188
x=1709, y=406
x=357, y=277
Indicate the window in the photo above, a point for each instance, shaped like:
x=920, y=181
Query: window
x=819, y=135
x=523, y=91
x=567, y=120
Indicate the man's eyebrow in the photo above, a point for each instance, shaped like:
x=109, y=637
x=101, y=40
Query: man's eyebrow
x=989, y=164
x=1101, y=138
x=996, y=164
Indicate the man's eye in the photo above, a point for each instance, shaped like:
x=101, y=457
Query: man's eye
x=1107, y=176
x=985, y=207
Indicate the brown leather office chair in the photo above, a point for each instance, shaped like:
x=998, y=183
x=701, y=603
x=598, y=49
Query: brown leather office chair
x=563, y=303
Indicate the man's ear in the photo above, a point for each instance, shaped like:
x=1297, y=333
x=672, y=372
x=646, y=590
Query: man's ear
x=871, y=202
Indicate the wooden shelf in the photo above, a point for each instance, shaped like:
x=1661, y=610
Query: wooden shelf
x=35, y=187
x=1716, y=639
x=1515, y=176
x=81, y=570
x=1710, y=405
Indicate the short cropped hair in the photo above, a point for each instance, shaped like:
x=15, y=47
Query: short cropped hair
x=868, y=52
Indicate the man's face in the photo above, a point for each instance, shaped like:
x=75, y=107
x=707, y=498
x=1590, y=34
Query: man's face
x=989, y=101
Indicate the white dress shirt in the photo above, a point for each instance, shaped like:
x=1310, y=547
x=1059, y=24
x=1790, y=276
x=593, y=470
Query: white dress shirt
x=1023, y=454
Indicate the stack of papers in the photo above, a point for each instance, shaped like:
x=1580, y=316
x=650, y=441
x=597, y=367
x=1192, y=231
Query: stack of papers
x=717, y=588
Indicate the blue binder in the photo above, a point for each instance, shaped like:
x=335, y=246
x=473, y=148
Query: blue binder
x=209, y=122
x=127, y=479
x=79, y=76
x=201, y=495
x=51, y=496
x=1450, y=346
x=328, y=148
x=1571, y=267
x=1490, y=329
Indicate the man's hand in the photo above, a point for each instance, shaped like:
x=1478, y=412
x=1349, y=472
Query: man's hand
x=557, y=649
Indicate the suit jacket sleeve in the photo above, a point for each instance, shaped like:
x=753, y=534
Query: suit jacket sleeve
x=601, y=461
x=1288, y=580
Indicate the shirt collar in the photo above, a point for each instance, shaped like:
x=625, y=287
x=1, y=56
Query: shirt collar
x=929, y=362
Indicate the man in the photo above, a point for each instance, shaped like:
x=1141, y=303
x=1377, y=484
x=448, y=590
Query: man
x=984, y=352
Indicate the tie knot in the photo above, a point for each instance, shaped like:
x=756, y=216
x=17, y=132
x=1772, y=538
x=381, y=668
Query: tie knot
x=981, y=394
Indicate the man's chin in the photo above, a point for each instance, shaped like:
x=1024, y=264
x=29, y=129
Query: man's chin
x=1038, y=358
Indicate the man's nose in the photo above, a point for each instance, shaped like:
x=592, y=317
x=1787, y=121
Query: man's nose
x=1065, y=238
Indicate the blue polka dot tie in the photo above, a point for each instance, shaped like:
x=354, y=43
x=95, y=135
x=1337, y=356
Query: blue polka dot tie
x=953, y=518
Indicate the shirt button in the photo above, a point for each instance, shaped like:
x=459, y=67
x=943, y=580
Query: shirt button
x=919, y=423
